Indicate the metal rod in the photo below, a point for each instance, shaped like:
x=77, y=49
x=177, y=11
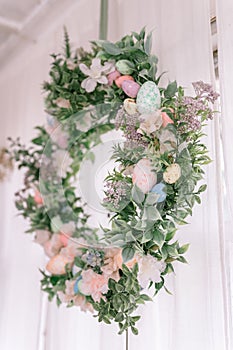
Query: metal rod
x=103, y=26
x=127, y=339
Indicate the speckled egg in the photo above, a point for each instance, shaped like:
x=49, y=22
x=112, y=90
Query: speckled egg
x=120, y=80
x=148, y=98
x=172, y=173
x=130, y=106
x=130, y=88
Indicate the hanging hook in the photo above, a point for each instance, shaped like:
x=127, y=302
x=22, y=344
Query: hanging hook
x=103, y=26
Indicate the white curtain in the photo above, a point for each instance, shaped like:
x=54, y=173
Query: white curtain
x=197, y=315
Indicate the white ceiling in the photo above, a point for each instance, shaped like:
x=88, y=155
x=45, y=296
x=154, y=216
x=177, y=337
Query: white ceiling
x=22, y=21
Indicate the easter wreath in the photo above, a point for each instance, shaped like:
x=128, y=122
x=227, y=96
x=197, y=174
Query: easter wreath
x=151, y=191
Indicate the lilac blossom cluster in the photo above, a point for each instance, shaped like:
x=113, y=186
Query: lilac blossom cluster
x=130, y=124
x=197, y=109
x=115, y=191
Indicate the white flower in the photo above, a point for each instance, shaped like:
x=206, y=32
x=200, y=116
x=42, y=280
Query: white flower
x=151, y=123
x=167, y=140
x=96, y=74
x=149, y=270
x=62, y=162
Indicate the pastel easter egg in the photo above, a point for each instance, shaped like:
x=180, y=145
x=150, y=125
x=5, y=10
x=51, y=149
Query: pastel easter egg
x=57, y=265
x=125, y=67
x=120, y=80
x=130, y=106
x=160, y=190
x=144, y=176
x=113, y=76
x=172, y=173
x=148, y=98
x=77, y=285
x=166, y=119
x=130, y=88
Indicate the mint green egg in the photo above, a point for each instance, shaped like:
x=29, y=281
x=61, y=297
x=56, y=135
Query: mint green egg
x=148, y=98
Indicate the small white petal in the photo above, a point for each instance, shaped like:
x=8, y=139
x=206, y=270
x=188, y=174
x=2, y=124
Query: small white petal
x=89, y=84
x=102, y=80
x=84, y=69
x=96, y=64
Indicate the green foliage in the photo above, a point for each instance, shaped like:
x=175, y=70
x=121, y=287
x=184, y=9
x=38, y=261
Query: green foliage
x=121, y=301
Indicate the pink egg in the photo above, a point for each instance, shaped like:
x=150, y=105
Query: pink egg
x=113, y=76
x=121, y=79
x=130, y=88
x=166, y=119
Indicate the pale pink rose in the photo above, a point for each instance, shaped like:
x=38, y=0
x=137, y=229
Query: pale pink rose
x=70, y=251
x=78, y=300
x=42, y=236
x=144, y=176
x=112, y=263
x=166, y=119
x=57, y=265
x=62, y=102
x=66, y=230
x=150, y=123
x=94, y=284
x=53, y=246
x=150, y=269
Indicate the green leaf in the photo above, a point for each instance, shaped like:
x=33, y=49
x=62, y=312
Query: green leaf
x=202, y=188
x=145, y=297
x=111, y=48
x=183, y=249
x=134, y=330
x=151, y=214
x=151, y=198
x=128, y=253
x=137, y=195
x=119, y=317
x=171, y=90
x=148, y=43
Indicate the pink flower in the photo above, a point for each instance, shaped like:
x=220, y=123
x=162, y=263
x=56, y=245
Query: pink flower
x=57, y=265
x=53, y=246
x=144, y=176
x=62, y=102
x=77, y=299
x=94, y=284
x=42, y=236
x=112, y=263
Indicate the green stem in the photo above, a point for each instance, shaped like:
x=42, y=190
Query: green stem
x=103, y=26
